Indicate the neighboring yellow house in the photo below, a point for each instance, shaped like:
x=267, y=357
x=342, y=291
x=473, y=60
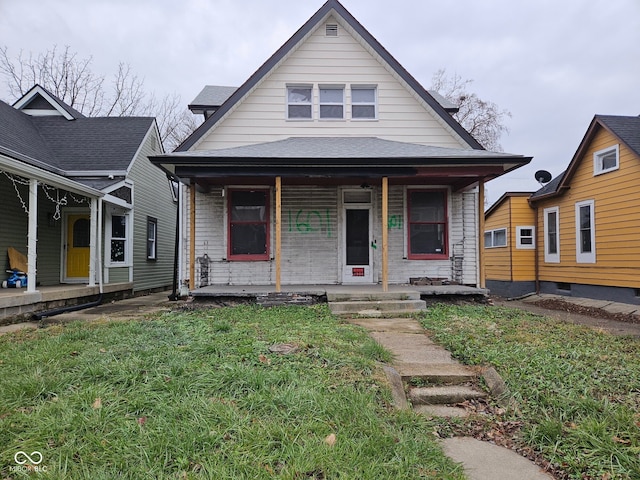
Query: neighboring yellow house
x=588, y=240
x=509, y=242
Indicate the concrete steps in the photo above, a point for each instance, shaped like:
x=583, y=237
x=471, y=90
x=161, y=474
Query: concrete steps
x=423, y=375
x=375, y=304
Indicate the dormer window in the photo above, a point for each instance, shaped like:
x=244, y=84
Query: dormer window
x=606, y=160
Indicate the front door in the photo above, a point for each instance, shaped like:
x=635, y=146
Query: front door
x=358, y=261
x=78, y=253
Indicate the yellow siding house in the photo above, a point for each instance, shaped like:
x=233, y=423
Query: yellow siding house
x=509, y=245
x=590, y=216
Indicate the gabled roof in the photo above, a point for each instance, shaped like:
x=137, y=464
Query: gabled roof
x=502, y=199
x=625, y=129
x=39, y=95
x=82, y=146
x=336, y=8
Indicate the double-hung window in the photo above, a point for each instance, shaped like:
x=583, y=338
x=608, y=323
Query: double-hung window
x=427, y=226
x=118, y=232
x=363, y=103
x=585, y=232
x=152, y=238
x=300, y=102
x=495, y=238
x=332, y=103
x=248, y=214
x=552, y=235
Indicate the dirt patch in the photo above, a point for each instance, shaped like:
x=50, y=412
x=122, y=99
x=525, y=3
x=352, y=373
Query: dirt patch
x=559, y=304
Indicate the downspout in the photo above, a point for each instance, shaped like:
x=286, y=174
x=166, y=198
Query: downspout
x=176, y=248
x=536, y=261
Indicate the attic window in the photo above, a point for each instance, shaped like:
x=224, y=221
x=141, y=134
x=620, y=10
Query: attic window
x=606, y=160
x=331, y=30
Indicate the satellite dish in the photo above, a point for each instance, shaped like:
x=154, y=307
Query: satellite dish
x=542, y=177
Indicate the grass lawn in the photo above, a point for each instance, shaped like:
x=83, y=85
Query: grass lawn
x=200, y=395
x=577, y=390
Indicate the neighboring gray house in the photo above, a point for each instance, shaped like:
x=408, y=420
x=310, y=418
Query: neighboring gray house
x=331, y=164
x=82, y=201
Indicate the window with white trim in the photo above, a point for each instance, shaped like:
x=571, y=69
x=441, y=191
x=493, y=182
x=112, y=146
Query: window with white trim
x=495, y=238
x=606, y=160
x=300, y=102
x=363, y=103
x=332, y=102
x=118, y=235
x=152, y=238
x=525, y=238
x=585, y=232
x=552, y=235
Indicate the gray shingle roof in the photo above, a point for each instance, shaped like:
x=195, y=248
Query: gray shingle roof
x=550, y=187
x=213, y=96
x=342, y=148
x=626, y=128
x=61, y=146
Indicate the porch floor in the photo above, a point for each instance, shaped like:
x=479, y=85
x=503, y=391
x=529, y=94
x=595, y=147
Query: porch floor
x=15, y=304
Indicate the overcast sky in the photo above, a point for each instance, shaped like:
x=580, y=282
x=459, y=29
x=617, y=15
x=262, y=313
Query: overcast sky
x=553, y=64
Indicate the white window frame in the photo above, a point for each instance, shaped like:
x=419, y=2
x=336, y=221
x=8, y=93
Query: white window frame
x=550, y=257
x=598, y=158
x=492, y=235
x=373, y=104
x=321, y=103
x=520, y=237
x=152, y=238
x=128, y=243
x=309, y=103
x=590, y=256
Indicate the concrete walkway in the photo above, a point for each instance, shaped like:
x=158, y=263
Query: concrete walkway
x=416, y=355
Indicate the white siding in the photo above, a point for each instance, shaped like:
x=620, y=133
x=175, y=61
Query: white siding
x=342, y=60
x=312, y=240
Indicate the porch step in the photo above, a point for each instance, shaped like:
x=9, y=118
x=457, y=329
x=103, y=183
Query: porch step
x=365, y=296
x=445, y=395
x=377, y=308
x=436, y=373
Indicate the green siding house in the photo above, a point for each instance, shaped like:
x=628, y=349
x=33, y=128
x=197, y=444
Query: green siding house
x=82, y=202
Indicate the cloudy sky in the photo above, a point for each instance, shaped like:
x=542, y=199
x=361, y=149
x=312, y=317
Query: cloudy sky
x=552, y=63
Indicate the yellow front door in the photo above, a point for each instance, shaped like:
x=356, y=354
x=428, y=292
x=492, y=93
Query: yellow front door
x=78, y=254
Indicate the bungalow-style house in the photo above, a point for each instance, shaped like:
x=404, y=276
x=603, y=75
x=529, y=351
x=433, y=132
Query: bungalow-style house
x=82, y=203
x=331, y=164
x=509, y=243
x=587, y=220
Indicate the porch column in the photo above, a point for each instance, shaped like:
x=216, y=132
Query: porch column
x=481, y=281
x=385, y=234
x=32, y=236
x=192, y=236
x=93, y=248
x=278, y=233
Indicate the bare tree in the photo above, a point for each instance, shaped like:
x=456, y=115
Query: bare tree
x=72, y=80
x=482, y=119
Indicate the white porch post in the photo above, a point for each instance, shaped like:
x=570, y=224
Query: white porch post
x=32, y=235
x=93, y=235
